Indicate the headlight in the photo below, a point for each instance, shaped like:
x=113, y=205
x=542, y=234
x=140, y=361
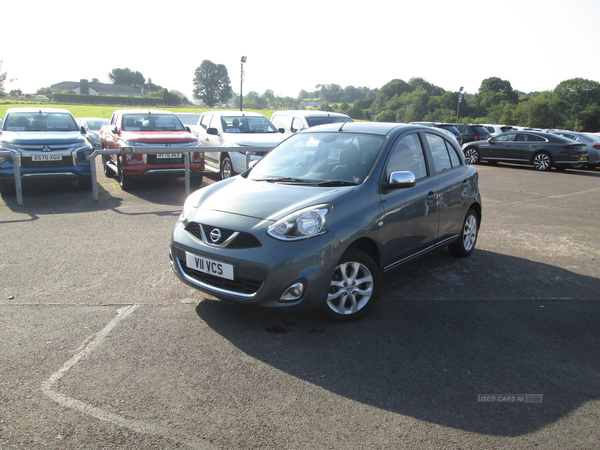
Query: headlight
x=8, y=145
x=132, y=144
x=303, y=224
x=188, y=209
x=80, y=145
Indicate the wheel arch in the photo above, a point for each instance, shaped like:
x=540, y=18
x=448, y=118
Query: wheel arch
x=368, y=247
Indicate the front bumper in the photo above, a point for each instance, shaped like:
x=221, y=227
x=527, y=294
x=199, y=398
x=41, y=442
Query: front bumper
x=261, y=274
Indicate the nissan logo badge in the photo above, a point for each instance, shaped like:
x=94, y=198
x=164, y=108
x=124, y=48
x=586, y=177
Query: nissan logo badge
x=215, y=235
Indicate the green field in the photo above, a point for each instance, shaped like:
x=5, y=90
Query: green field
x=99, y=110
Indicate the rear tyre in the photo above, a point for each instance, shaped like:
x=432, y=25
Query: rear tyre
x=542, y=161
x=354, y=287
x=465, y=244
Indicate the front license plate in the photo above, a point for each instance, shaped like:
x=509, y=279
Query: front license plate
x=168, y=155
x=46, y=157
x=209, y=266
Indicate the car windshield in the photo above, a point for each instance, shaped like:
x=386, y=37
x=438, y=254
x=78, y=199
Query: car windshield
x=189, y=119
x=326, y=159
x=451, y=129
x=247, y=124
x=480, y=130
x=96, y=124
x=40, y=121
x=151, y=122
x=314, y=121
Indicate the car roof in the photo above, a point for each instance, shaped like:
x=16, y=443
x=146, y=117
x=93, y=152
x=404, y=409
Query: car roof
x=42, y=110
x=235, y=113
x=144, y=111
x=381, y=128
x=308, y=113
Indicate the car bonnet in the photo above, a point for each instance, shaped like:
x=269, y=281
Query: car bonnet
x=254, y=139
x=261, y=199
x=42, y=137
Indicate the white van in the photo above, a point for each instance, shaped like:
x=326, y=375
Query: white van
x=290, y=122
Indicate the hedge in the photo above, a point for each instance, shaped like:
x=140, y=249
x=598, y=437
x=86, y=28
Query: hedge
x=106, y=100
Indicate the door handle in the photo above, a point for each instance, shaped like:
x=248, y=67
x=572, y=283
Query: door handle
x=466, y=182
x=431, y=196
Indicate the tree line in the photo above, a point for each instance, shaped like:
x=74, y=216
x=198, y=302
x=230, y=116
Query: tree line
x=574, y=104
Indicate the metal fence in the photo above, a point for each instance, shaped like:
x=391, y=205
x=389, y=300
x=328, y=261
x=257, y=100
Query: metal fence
x=174, y=149
x=133, y=151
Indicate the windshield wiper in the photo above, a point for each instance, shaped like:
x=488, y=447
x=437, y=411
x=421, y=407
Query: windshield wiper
x=334, y=183
x=284, y=180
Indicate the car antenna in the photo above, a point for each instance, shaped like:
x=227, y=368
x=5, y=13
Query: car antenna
x=344, y=124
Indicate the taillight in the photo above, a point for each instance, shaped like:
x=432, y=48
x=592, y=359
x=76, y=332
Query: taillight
x=571, y=147
x=596, y=146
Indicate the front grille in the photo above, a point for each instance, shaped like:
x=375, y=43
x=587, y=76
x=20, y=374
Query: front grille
x=29, y=164
x=241, y=241
x=240, y=285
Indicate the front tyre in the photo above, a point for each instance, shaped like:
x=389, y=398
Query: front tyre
x=226, y=168
x=108, y=172
x=465, y=244
x=542, y=161
x=354, y=287
x=472, y=155
x=125, y=181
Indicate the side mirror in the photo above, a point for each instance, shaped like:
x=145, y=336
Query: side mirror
x=281, y=130
x=82, y=129
x=115, y=130
x=491, y=140
x=212, y=131
x=188, y=129
x=401, y=180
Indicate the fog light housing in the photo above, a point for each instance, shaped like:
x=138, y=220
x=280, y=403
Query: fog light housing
x=293, y=292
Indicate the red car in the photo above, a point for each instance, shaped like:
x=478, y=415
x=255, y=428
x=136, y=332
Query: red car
x=148, y=128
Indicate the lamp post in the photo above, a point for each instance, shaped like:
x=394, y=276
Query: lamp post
x=460, y=97
x=242, y=82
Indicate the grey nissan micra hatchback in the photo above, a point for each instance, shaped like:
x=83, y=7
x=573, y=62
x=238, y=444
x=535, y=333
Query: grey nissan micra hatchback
x=316, y=222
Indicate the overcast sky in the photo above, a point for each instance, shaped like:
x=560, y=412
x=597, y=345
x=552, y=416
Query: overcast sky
x=296, y=45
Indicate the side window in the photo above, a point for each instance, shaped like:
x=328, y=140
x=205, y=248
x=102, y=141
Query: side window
x=454, y=158
x=408, y=155
x=297, y=125
x=205, y=121
x=439, y=151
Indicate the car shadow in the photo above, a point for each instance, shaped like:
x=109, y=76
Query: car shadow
x=58, y=197
x=444, y=333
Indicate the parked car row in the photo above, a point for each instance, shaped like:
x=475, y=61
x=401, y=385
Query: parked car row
x=235, y=131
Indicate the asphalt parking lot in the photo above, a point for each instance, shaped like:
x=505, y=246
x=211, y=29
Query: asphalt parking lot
x=101, y=347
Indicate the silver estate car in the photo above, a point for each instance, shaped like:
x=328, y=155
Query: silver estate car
x=317, y=220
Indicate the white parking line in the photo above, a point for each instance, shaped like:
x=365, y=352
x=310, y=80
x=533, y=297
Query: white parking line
x=100, y=414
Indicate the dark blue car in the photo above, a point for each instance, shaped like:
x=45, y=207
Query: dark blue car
x=48, y=143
